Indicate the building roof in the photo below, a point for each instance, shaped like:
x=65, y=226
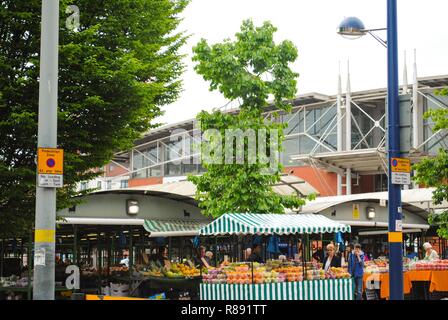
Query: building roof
x=417, y=201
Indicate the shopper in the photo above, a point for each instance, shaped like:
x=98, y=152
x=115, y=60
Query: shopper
x=346, y=254
x=331, y=260
x=255, y=256
x=430, y=253
x=356, y=269
x=125, y=260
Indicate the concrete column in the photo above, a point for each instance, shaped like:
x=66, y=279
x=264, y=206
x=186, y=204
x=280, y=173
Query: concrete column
x=348, y=181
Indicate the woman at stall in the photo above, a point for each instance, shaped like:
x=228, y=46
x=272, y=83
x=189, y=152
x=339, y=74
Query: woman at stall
x=430, y=253
x=331, y=260
x=161, y=257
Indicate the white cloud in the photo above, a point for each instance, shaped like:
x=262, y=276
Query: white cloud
x=311, y=25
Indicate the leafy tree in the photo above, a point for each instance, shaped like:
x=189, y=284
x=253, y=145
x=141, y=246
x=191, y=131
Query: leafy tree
x=251, y=68
x=115, y=72
x=433, y=172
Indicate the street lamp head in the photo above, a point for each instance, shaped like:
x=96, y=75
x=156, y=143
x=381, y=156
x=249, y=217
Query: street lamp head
x=351, y=28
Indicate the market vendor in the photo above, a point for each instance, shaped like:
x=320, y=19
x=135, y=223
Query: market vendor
x=430, y=253
x=199, y=258
x=161, y=257
x=331, y=260
x=255, y=256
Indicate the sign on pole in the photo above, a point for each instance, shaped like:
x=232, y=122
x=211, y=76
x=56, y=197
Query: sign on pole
x=50, y=167
x=400, y=170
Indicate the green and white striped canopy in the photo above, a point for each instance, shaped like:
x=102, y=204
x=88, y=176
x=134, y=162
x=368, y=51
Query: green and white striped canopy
x=251, y=223
x=174, y=227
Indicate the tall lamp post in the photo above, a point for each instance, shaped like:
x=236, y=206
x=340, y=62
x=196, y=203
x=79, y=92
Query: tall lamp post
x=44, y=239
x=353, y=28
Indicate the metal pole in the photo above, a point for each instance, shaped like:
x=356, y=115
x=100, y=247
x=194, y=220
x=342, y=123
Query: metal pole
x=29, y=257
x=394, y=205
x=44, y=277
x=348, y=113
x=339, y=129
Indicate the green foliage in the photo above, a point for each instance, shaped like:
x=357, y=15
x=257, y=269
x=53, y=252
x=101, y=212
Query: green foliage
x=114, y=74
x=252, y=68
x=433, y=172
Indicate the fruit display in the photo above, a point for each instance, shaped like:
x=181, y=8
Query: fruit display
x=119, y=269
x=437, y=265
x=290, y=273
x=337, y=273
x=177, y=270
x=184, y=270
x=315, y=274
x=243, y=273
x=313, y=265
x=376, y=266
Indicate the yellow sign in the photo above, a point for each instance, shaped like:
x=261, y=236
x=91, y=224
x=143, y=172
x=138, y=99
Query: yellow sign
x=355, y=211
x=400, y=165
x=50, y=161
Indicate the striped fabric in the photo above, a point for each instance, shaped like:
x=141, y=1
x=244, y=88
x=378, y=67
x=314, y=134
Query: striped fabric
x=251, y=223
x=173, y=225
x=330, y=289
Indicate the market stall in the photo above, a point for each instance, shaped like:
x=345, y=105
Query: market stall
x=433, y=275
x=114, y=254
x=275, y=280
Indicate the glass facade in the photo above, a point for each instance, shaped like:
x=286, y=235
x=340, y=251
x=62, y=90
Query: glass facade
x=434, y=102
x=311, y=129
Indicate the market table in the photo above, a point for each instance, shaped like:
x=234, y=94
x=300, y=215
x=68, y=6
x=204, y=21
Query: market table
x=438, y=280
x=329, y=289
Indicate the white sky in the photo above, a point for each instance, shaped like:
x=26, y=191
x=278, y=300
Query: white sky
x=311, y=25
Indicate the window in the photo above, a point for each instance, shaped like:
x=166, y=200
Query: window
x=123, y=184
x=99, y=185
x=109, y=185
x=380, y=182
x=83, y=186
x=111, y=167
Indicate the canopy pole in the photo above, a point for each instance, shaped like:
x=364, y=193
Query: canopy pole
x=216, y=251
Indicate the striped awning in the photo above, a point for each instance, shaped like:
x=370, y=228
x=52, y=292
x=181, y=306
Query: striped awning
x=250, y=223
x=174, y=227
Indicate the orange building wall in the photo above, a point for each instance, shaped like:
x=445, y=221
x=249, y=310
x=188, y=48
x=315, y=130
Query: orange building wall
x=116, y=172
x=323, y=181
x=326, y=182
x=138, y=182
